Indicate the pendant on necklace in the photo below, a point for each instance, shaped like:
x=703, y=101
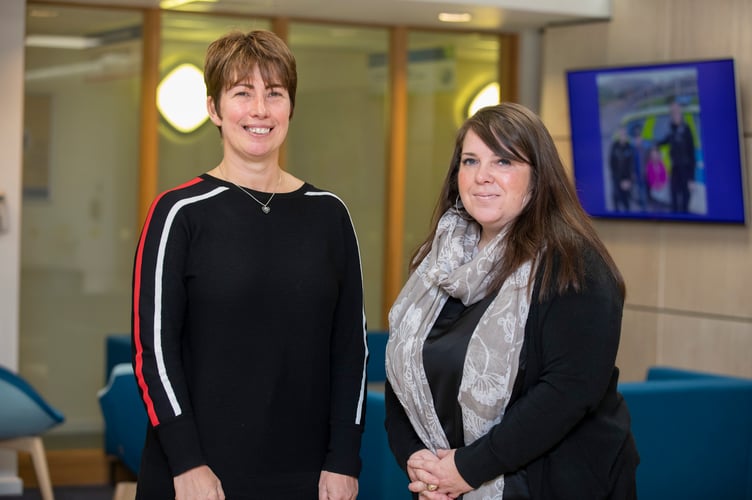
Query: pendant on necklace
x=264, y=207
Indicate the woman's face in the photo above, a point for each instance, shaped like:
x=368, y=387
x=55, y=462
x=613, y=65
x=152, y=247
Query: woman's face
x=254, y=117
x=493, y=190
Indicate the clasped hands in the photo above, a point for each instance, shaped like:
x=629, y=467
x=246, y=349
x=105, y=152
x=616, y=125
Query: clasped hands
x=435, y=477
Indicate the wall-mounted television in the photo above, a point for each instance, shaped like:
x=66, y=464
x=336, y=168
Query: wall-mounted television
x=658, y=141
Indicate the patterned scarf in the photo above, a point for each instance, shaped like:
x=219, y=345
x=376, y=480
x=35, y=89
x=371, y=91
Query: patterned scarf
x=454, y=268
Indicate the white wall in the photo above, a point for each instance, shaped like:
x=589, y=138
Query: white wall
x=12, y=16
x=12, y=27
x=530, y=74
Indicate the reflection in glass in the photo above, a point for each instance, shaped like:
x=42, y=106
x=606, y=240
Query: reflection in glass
x=337, y=136
x=81, y=125
x=81, y=160
x=445, y=70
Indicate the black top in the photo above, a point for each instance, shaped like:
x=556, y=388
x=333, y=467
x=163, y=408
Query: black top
x=444, y=359
x=444, y=353
x=249, y=339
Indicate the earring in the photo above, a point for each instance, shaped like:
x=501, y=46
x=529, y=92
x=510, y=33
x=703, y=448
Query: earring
x=460, y=209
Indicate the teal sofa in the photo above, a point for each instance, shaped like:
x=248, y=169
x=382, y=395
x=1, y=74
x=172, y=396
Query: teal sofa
x=693, y=430
x=381, y=478
x=694, y=434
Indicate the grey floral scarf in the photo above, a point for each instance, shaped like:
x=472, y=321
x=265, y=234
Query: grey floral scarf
x=455, y=268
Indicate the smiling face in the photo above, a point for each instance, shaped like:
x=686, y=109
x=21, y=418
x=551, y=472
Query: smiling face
x=253, y=116
x=493, y=189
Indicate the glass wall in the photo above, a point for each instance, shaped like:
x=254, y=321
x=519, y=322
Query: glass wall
x=445, y=71
x=341, y=80
x=337, y=136
x=80, y=177
x=81, y=162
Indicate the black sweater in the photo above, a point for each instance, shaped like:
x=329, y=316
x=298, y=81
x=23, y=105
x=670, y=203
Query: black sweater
x=249, y=339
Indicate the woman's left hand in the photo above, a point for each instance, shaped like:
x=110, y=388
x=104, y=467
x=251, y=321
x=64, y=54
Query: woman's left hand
x=450, y=481
x=333, y=486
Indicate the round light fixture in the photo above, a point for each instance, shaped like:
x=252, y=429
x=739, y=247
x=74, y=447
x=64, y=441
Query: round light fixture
x=486, y=96
x=181, y=98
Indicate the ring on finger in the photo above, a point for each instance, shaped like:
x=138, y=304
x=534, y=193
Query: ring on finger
x=432, y=487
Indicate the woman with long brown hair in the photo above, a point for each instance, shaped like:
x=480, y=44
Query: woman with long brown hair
x=501, y=376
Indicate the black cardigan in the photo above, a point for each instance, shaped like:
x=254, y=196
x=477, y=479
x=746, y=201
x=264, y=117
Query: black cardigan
x=566, y=424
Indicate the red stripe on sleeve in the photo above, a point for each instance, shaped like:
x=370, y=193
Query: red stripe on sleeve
x=136, y=306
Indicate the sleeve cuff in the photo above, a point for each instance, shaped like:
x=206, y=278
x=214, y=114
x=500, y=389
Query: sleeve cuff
x=181, y=444
x=476, y=463
x=344, y=451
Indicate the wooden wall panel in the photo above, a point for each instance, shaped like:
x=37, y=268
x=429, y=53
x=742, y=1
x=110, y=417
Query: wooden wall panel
x=633, y=246
x=638, y=346
x=564, y=147
x=688, y=284
x=741, y=36
x=702, y=29
x=708, y=269
x=643, y=25
x=572, y=47
x=708, y=344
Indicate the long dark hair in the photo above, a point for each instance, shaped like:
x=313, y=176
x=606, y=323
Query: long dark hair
x=552, y=226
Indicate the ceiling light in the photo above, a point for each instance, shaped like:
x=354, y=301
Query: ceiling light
x=43, y=13
x=181, y=98
x=173, y=4
x=106, y=65
x=455, y=17
x=62, y=42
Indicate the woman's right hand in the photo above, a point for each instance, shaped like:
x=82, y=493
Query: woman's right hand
x=198, y=483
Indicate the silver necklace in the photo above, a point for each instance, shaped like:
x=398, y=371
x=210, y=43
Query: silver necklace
x=264, y=206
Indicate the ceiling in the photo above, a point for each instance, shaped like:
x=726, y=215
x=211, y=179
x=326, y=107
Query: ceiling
x=111, y=36
x=486, y=15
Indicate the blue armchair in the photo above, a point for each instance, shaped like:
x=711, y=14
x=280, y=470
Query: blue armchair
x=124, y=417
x=24, y=417
x=694, y=434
